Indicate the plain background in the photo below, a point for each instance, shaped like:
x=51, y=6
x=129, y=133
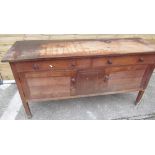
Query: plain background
x=77, y=17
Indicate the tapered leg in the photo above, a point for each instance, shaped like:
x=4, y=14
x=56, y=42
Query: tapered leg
x=139, y=96
x=27, y=109
x=18, y=82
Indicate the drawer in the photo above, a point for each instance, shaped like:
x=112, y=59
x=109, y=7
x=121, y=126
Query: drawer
x=53, y=64
x=123, y=60
x=43, y=65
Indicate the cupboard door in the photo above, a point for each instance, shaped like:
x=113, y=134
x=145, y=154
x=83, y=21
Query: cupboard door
x=44, y=85
x=89, y=82
x=125, y=77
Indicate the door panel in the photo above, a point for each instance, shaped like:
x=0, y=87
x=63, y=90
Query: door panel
x=40, y=86
x=89, y=82
x=125, y=77
x=49, y=87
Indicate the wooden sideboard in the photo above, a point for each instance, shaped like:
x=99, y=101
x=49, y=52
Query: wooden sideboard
x=49, y=70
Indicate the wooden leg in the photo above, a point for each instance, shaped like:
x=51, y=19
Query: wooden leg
x=18, y=82
x=139, y=96
x=27, y=110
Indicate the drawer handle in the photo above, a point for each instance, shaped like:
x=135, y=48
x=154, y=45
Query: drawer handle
x=73, y=64
x=106, y=78
x=73, y=80
x=107, y=41
x=35, y=66
x=51, y=66
x=141, y=59
x=109, y=62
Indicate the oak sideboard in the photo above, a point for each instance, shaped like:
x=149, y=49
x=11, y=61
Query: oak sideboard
x=60, y=69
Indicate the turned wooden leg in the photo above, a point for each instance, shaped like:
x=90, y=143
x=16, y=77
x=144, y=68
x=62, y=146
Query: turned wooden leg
x=139, y=96
x=27, y=110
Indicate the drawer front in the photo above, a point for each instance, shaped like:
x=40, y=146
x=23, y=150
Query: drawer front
x=123, y=60
x=43, y=65
x=53, y=65
x=83, y=63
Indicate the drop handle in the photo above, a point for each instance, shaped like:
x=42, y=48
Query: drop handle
x=107, y=41
x=51, y=66
x=73, y=80
x=109, y=61
x=141, y=59
x=35, y=66
x=73, y=65
x=106, y=78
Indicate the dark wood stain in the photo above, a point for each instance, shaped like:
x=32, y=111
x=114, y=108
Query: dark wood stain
x=46, y=69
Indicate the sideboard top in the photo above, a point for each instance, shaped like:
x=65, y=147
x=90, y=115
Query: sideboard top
x=42, y=49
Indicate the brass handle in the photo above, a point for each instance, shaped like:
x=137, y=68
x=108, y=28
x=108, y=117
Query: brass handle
x=106, y=78
x=73, y=80
x=141, y=59
x=35, y=66
x=109, y=61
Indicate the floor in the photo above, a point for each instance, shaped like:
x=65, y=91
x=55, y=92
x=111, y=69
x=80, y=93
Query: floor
x=109, y=107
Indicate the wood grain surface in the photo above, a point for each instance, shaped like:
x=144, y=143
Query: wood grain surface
x=45, y=69
x=40, y=49
x=7, y=40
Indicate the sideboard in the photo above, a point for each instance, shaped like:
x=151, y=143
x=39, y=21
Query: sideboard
x=60, y=69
